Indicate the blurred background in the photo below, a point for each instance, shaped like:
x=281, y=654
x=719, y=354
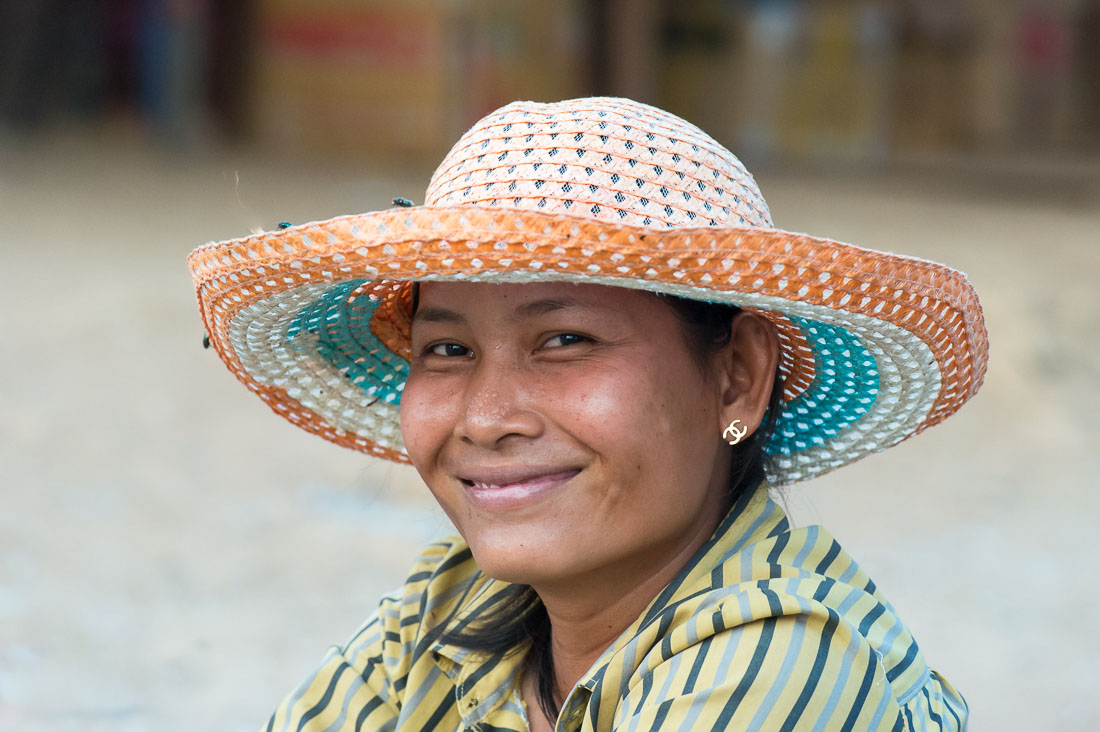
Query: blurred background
x=173, y=556
x=854, y=80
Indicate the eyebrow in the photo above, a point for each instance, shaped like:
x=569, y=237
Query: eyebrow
x=526, y=310
x=437, y=315
x=548, y=305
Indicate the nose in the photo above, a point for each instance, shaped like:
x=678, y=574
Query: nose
x=496, y=405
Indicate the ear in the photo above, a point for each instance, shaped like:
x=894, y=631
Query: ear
x=748, y=371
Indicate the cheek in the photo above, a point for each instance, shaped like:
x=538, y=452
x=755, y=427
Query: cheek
x=630, y=416
x=648, y=403
x=592, y=403
x=425, y=420
x=663, y=428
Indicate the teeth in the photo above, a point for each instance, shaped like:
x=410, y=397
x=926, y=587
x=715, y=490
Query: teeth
x=487, y=486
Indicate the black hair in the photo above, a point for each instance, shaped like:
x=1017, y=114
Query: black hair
x=520, y=617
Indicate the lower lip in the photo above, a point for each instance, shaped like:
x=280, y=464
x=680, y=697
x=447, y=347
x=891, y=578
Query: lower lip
x=517, y=495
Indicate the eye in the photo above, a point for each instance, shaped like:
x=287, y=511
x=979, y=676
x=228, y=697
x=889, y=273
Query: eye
x=448, y=349
x=564, y=339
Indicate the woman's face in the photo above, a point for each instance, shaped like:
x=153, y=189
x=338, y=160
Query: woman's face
x=565, y=429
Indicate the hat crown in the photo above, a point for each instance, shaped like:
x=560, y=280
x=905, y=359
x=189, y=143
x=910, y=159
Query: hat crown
x=606, y=159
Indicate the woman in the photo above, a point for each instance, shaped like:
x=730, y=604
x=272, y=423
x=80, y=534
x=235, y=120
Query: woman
x=599, y=354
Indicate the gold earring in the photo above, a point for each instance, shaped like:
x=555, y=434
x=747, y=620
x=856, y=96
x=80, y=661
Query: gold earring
x=734, y=434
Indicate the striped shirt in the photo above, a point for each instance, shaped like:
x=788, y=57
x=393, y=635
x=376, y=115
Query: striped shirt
x=768, y=627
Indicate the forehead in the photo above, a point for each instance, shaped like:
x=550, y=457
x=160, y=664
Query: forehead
x=445, y=301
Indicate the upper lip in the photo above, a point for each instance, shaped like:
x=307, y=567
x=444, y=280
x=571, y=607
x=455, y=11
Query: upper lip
x=506, y=475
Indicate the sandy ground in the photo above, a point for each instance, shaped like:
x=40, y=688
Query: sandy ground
x=174, y=557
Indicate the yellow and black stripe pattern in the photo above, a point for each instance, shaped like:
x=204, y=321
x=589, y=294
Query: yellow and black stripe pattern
x=768, y=628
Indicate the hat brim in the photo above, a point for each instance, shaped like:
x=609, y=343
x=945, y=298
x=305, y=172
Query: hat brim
x=875, y=347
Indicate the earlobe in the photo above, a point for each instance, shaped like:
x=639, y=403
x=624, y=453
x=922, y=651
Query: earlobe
x=749, y=374
x=734, y=433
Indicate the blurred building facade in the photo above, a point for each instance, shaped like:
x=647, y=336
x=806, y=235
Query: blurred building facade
x=865, y=80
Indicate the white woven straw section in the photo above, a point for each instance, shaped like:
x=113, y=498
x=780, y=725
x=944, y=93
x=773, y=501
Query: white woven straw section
x=258, y=336
x=607, y=159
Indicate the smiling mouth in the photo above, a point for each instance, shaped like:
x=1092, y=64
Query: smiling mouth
x=499, y=483
x=512, y=491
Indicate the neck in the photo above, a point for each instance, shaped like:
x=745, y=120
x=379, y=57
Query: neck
x=587, y=614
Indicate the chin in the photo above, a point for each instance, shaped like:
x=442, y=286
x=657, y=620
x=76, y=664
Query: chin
x=520, y=558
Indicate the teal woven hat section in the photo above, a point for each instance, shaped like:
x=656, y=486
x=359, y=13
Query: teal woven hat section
x=846, y=383
x=845, y=386
x=341, y=325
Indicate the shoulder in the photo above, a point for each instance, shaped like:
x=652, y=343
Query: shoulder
x=805, y=572
x=804, y=666
x=442, y=565
x=441, y=561
x=433, y=588
x=792, y=671
x=787, y=633
x=367, y=678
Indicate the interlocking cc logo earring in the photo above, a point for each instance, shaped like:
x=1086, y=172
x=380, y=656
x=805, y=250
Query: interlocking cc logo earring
x=734, y=434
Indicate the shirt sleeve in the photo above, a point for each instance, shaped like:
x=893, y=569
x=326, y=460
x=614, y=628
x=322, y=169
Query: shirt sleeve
x=790, y=672
x=354, y=687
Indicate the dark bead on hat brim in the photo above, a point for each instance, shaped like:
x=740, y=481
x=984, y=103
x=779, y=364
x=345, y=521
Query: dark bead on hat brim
x=402, y=202
x=206, y=340
x=284, y=225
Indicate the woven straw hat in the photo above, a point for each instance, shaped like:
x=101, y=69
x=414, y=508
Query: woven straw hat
x=315, y=318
